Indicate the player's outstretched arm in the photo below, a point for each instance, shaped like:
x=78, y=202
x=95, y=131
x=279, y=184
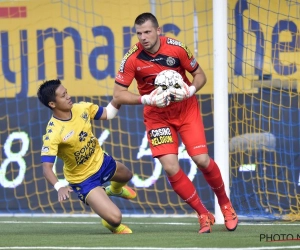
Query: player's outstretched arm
x=157, y=97
x=110, y=111
x=122, y=96
x=63, y=192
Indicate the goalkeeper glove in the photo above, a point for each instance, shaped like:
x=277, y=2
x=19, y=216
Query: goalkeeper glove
x=182, y=93
x=162, y=98
x=158, y=97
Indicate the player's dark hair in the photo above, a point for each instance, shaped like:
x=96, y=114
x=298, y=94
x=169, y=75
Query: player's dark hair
x=142, y=18
x=46, y=91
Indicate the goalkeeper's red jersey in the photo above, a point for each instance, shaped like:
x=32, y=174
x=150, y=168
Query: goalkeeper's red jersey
x=144, y=66
x=163, y=124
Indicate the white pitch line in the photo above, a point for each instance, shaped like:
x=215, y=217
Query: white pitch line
x=150, y=248
x=142, y=223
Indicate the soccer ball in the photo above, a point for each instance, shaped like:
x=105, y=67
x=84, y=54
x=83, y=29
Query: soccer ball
x=168, y=78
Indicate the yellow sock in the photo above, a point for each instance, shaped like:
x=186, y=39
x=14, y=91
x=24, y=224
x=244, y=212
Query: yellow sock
x=116, y=187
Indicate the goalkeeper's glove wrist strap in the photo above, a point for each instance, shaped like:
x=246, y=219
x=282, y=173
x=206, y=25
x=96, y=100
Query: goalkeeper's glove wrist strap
x=192, y=90
x=140, y=100
x=144, y=99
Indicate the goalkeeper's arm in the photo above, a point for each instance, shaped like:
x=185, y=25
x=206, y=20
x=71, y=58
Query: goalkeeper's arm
x=199, y=80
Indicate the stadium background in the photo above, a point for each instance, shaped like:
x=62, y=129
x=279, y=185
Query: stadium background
x=83, y=42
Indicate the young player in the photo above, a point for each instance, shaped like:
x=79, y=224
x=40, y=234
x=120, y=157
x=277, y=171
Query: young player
x=151, y=55
x=69, y=136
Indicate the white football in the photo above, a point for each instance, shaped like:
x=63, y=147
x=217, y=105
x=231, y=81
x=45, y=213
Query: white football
x=168, y=78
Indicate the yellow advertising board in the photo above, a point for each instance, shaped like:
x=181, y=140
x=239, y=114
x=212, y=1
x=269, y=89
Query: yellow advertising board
x=82, y=42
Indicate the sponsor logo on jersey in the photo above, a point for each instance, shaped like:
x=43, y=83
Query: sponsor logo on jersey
x=160, y=136
x=180, y=44
x=45, y=149
x=68, y=135
x=86, y=151
x=157, y=59
x=193, y=63
x=127, y=55
x=119, y=77
x=82, y=136
x=144, y=67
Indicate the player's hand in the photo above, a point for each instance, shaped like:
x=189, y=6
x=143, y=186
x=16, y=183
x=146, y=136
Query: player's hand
x=162, y=98
x=180, y=94
x=63, y=193
x=184, y=92
x=158, y=97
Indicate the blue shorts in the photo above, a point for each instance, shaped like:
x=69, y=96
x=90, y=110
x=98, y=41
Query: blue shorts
x=104, y=174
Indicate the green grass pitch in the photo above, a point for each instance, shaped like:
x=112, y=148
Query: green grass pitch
x=148, y=233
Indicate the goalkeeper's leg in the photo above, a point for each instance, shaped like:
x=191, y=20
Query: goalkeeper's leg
x=214, y=178
x=183, y=186
x=197, y=149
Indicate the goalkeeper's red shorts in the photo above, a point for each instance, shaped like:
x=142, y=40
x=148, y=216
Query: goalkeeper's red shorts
x=164, y=124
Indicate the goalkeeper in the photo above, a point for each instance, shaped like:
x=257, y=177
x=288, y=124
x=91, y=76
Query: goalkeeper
x=69, y=136
x=180, y=115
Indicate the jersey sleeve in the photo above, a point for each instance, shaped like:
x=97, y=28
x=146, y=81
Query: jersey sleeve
x=50, y=146
x=188, y=61
x=126, y=71
x=95, y=111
